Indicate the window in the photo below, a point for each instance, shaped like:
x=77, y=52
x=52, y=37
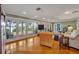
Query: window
x=20, y=28
x=24, y=28
x=15, y=28
x=10, y=29
x=30, y=28
x=57, y=27
x=35, y=25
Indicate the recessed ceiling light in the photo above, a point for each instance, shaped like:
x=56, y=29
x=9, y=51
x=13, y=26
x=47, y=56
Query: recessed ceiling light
x=36, y=16
x=43, y=18
x=38, y=9
x=67, y=12
x=24, y=13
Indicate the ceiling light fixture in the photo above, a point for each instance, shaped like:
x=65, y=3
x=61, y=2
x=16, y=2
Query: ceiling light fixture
x=38, y=9
x=24, y=13
x=75, y=11
x=36, y=16
x=67, y=12
x=43, y=18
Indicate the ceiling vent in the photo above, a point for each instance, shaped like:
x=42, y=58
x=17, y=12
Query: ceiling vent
x=75, y=11
x=38, y=9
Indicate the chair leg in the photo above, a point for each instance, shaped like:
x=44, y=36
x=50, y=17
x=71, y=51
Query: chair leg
x=60, y=45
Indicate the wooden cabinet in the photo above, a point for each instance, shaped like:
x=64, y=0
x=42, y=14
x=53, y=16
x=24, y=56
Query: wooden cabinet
x=46, y=38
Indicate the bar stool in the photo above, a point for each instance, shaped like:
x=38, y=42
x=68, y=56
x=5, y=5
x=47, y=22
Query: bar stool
x=63, y=41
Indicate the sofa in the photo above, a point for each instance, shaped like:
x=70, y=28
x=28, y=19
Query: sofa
x=74, y=42
x=74, y=39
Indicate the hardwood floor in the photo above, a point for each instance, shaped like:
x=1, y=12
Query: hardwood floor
x=32, y=46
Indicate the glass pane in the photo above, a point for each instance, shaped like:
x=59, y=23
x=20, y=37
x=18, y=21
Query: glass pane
x=24, y=28
x=20, y=28
x=58, y=27
x=10, y=29
x=30, y=28
x=13, y=28
x=35, y=25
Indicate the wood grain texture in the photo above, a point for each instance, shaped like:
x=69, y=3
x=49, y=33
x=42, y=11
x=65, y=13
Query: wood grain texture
x=32, y=46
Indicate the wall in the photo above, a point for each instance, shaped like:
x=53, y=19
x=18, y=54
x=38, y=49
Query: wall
x=72, y=23
x=64, y=24
x=77, y=24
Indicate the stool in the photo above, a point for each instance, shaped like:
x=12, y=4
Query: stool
x=63, y=41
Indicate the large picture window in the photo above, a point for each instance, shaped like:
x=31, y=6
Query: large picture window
x=30, y=28
x=15, y=28
x=10, y=29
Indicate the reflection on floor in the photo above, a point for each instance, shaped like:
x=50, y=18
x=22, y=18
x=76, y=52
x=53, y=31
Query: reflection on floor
x=32, y=46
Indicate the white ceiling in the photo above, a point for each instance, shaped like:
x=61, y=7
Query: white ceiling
x=52, y=12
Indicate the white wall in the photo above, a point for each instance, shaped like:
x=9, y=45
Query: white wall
x=77, y=24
